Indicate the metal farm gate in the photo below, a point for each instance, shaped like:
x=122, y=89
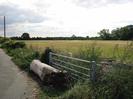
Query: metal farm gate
x=79, y=69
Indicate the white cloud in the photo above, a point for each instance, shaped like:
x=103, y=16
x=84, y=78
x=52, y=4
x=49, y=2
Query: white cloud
x=66, y=17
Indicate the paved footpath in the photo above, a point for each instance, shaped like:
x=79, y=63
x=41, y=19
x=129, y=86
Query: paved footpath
x=14, y=83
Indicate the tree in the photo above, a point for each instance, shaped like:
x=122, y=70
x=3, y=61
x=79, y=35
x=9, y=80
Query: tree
x=87, y=37
x=73, y=36
x=104, y=34
x=25, y=36
x=123, y=33
x=116, y=34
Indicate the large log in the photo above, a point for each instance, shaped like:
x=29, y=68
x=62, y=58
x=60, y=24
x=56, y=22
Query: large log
x=42, y=69
x=50, y=75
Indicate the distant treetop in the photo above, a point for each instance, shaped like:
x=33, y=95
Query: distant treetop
x=25, y=36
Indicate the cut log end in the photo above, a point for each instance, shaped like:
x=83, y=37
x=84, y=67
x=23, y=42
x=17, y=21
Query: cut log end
x=58, y=80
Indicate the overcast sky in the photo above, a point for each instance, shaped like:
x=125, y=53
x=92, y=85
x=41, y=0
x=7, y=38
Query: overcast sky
x=64, y=17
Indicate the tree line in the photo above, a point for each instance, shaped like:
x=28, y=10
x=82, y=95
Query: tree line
x=123, y=33
x=26, y=36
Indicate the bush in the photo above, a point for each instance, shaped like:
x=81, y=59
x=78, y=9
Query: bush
x=11, y=44
x=79, y=91
x=8, y=44
x=125, y=55
x=91, y=53
x=23, y=57
x=116, y=84
x=19, y=45
x=2, y=40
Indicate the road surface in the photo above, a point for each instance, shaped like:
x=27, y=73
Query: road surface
x=15, y=83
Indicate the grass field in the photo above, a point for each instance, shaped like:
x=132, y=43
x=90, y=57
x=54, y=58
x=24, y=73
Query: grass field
x=74, y=46
x=106, y=85
x=106, y=82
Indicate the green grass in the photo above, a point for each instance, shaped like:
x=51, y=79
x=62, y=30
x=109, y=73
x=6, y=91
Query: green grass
x=22, y=57
x=74, y=46
x=116, y=84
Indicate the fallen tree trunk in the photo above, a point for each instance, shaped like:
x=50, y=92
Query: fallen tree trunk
x=42, y=69
x=50, y=75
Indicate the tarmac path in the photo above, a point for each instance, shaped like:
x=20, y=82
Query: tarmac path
x=15, y=83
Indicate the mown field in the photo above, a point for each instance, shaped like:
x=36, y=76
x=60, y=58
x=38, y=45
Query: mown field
x=74, y=46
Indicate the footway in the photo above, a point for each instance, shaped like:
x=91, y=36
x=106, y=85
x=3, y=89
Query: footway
x=14, y=83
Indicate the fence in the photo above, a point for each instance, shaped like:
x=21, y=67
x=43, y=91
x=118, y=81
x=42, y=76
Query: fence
x=78, y=68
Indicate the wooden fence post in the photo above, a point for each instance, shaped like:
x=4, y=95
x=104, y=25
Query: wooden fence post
x=93, y=71
x=50, y=58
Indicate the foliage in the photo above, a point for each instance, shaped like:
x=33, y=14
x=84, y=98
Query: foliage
x=10, y=44
x=123, y=33
x=91, y=53
x=116, y=84
x=2, y=40
x=25, y=36
x=124, y=54
x=23, y=57
x=79, y=91
x=20, y=54
x=56, y=38
x=104, y=34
